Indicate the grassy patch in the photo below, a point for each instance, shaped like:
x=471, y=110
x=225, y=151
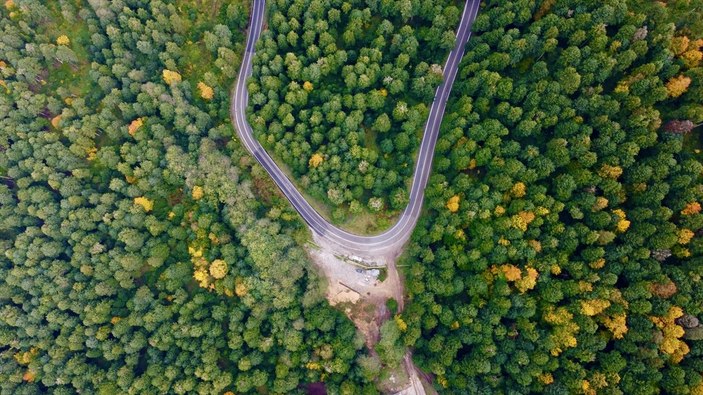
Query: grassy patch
x=201, y=11
x=370, y=140
x=368, y=223
x=196, y=61
x=71, y=77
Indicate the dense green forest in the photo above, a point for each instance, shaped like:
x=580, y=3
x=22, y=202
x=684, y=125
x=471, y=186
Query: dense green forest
x=141, y=250
x=144, y=251
x=561, y=250
x=341, y=93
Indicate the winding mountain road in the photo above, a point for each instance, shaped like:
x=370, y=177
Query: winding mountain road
x=396, y=236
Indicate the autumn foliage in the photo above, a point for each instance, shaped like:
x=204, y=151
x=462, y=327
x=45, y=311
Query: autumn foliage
x=135, y=125
x=453, y=203
x=691, y=209
x=583, y=173
x=206, y=92
x=671, y=334
x=136, y=253
x=316, y=160
x=63, y=40
x=678, y=85
x=171, y=77
x=145, y=203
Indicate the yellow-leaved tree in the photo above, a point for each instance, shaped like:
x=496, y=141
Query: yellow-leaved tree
x=692, y=58
x=218, y=269
x=607, y=171
x=316, y=160
x=519, y=189
x=617, y=325
x=240, y=289
x=514, y=275
x=135, y=125
x=171, y=76
x=546, y=378
x=522, y=219
x=453, y=203
x=511, y=272
x=147, y=204
x=600, y=203
x=594, y=306
x=671, y=332
x=91, y=153
x=206, y=92
x=527, y=282
x=562, y=336
x=24, y=358
x=679, y=44
x=685, y=236
x=678, y=85
x=197, y=192
x=400, y=323
x=622, y=225
x=63, y=40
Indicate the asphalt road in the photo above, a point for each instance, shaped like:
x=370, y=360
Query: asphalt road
x=396, y=236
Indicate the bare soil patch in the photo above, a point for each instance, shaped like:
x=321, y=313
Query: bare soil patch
x=362, y=297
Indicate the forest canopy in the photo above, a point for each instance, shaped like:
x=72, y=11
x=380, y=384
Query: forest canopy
x=561, y=252
x=340, y=93
x=142, y=250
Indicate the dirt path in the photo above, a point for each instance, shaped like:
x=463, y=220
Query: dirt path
x=394, y=278
x=363, y=297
